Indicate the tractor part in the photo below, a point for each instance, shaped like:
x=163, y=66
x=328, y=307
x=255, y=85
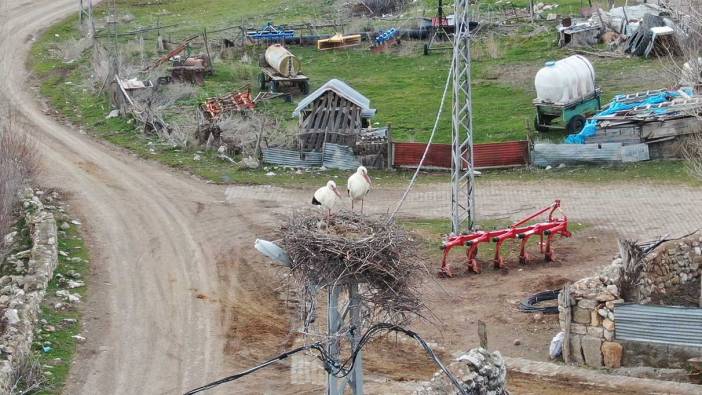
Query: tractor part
x=519, y=230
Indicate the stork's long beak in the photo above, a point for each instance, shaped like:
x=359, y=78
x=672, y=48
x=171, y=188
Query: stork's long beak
x=336, y=191
x=368, y=179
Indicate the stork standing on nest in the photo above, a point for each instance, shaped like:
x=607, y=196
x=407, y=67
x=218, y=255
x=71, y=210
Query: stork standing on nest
x=327, y=196
x=358, y=186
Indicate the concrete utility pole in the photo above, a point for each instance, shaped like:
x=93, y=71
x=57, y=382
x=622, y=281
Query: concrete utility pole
x=462, y=178
x=85, y=16
x=112, y=46
x=335, y=325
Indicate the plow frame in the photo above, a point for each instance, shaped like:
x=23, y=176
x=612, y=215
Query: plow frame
x=518, y=230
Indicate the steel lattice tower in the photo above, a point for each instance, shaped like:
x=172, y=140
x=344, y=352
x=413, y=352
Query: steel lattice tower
x=462, y=178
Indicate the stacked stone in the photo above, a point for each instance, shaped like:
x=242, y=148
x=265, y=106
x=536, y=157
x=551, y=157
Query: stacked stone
x=479, y=371
x=670, y=265
x=21, y=294
x=592, y=323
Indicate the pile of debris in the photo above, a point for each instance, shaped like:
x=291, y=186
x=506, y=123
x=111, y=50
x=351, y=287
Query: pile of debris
x=479, y=370
x=644, y=117
x=643, y=30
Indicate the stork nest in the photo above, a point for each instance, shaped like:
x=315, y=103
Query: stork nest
x=371, y=251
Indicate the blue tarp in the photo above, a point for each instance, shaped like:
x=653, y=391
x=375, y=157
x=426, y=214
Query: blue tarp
x=616, y=105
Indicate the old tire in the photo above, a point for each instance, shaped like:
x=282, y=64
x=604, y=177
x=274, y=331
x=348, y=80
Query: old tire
x=576, y=124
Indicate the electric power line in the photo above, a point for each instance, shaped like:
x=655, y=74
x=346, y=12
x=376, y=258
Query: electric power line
x=334, y=367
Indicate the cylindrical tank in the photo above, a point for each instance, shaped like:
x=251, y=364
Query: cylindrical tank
x=282, y=61
x=565, y=81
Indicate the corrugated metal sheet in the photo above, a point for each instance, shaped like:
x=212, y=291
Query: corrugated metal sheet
x=342, y=89
x=507, y=154
x=554, y=154
x=491, y=155
x=659, y=324
x=409, y=155
x=339, y=157
x=291, y=158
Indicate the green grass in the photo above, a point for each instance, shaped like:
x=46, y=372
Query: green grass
x=403, y=85
x=62, y=344
x=432, y=231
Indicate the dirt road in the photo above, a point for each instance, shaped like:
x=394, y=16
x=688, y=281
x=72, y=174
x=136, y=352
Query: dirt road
x=178, y=297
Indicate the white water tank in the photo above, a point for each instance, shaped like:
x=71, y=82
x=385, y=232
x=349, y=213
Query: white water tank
x=283, y=61
x=565, y=81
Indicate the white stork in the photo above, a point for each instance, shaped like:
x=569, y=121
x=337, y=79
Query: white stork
x=358, y=186
x=327, y=197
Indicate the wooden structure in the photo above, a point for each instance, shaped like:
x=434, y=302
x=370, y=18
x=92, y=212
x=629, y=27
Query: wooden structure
x=338, y=41
x=334, y=113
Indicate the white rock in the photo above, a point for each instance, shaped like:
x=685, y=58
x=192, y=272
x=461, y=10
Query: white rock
x=197, y=157
x=270, y=174
x=112, y=114
x=549, y=167
x=72, y=284
x=79, y=338
x=11, y=317
x=10, y=238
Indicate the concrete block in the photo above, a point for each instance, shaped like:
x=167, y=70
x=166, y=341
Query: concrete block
x=588, y=304
x=612, y=354
x=595, y=331
x=595, y=319
x=578, y=329
x=592, y=351
x=580, y=315
x=576, y=349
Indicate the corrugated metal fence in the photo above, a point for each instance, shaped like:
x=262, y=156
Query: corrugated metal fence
x=604, y=153
x=659, y=324
x=335, y=157
x=491, y=155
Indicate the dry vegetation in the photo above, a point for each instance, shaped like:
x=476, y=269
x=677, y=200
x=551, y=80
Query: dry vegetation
x=379, y=255
x=17, y=165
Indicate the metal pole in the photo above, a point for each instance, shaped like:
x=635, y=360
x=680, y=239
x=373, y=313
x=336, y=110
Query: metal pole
x=462, y=178
x=356, y=379
x=333, y=326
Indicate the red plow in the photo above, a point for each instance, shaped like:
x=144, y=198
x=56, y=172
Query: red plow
x=545, y=230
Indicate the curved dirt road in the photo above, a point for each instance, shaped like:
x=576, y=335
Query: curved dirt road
x=155, y=245
x=173, y=264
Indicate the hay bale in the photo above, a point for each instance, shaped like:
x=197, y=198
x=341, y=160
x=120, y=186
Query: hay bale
x=371, y=251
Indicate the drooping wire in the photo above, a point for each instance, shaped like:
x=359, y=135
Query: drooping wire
x=431, y=138
x=336, y=368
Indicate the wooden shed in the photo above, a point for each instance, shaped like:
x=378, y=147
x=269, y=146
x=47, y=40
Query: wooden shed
x=334, y=113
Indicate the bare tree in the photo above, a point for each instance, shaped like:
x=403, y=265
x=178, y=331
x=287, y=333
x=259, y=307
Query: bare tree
x=18, y=163
x=686, y=70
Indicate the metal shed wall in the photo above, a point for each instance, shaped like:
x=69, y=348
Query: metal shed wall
x=659, y=324
x=507, y=154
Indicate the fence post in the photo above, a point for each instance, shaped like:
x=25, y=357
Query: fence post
x=391, y=153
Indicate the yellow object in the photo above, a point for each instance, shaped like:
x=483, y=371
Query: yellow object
x=339, y=41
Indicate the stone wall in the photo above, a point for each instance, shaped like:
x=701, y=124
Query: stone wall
x=671, y=265
x=479, y=371
x=21, y=294
x=592, y=301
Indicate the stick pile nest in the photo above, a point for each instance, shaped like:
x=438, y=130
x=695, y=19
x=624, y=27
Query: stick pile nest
x=351, y=247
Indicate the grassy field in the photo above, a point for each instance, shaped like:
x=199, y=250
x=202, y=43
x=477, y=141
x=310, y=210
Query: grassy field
x=403, y=85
